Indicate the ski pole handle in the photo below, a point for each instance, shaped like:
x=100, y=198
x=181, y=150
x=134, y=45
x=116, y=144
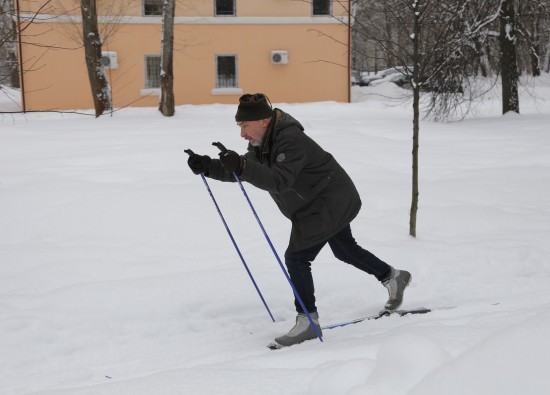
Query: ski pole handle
x=220, y=146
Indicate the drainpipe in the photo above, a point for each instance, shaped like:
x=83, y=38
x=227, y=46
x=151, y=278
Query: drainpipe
x=20, y=56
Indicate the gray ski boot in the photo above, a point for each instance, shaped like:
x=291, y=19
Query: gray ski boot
x=395, y=284
x=301, y=332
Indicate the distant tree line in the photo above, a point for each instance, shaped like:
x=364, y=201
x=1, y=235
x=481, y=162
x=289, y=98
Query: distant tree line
x=458, y=39
x=373, y=20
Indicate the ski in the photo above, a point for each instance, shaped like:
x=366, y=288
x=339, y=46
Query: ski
x=401, y=313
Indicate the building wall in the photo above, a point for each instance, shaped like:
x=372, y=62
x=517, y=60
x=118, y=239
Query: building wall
x=317, y=68
x=185, y=7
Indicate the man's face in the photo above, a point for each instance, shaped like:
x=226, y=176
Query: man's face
x=254, y=131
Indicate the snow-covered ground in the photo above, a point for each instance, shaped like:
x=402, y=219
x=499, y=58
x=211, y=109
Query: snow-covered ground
x=9, y=99
x=118, y=277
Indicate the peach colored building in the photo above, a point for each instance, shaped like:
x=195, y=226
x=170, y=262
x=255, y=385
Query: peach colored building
x=294, y=51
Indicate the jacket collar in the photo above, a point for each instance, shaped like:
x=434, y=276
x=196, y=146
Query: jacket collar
x=265, y=149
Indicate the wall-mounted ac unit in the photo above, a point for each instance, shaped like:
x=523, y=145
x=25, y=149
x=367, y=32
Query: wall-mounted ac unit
x=109, y=59
x=279, y=57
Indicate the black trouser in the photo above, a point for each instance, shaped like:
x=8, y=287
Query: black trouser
x=345, y=248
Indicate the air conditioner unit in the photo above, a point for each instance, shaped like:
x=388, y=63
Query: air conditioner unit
x=279, y=57
x=109, y=59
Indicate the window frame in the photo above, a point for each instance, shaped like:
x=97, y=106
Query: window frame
x=150, y=15
x=148, y=85
x=217, y=74
x=225, y=15
x=329, y=11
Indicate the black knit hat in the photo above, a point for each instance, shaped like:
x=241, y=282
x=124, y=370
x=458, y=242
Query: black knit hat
x=253, y=107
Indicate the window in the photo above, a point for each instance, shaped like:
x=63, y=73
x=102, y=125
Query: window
x=225, y=7
x=226, y=71
x=321, y=7
x=152, y=7
x=152, y=71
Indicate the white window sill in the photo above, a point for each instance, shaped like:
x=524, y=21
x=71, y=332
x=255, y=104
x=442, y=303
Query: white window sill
x=150, y=92
x=227, y=91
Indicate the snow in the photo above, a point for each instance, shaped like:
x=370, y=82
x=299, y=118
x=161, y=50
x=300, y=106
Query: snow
x=118, y=277
x=9, y=99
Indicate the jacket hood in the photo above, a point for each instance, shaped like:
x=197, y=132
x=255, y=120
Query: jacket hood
x=279, y=120
x=283, y=120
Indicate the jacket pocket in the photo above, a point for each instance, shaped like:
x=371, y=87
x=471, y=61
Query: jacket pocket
x=313, y=219
x=321, y=185
x=312, y=192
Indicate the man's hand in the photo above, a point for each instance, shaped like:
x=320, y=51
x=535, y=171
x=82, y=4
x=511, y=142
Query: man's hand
x=199, y=163
x=231, y=162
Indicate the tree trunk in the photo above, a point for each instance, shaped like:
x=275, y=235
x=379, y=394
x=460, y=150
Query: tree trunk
x=535, y=60
x=416, y=135
x=167, y=102
x=390, y=51
x=508, y=61
x=416, y=121
x=482, y=59
x=534, y=47
x=546, y=62
x=92, y=49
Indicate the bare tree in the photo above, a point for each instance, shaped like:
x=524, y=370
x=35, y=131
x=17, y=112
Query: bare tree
x=440, y=46
x=508, y=60
x=167, y=102
x=481, y=46
x=9, y=73
x=112, y=12
x=12, y=37
x=533, y=28
x=424, y=42
x=92, y=48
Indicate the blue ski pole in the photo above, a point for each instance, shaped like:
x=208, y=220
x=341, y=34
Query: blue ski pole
x=188, y=151
x=300, y=301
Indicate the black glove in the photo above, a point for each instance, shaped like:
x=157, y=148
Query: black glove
x=231, y=162
x=199, y=163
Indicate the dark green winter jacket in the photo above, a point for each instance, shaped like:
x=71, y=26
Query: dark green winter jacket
x=307, y=184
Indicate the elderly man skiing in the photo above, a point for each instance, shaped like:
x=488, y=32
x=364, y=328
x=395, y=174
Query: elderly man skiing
x=313, y=191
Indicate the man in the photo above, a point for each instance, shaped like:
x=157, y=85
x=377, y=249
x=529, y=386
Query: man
x=312, y=190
